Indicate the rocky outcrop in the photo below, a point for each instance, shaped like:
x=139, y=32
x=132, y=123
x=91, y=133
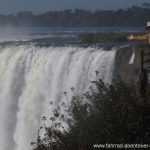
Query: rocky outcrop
x=125, y=70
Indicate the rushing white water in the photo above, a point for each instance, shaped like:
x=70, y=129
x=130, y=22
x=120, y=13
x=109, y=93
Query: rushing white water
x=131, y=61
x=30, y=77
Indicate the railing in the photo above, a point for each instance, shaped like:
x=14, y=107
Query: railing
x=145, y=70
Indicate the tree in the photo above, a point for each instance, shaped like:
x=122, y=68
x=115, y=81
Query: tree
x=133, y=16
x=146, y=5
x=105, y=114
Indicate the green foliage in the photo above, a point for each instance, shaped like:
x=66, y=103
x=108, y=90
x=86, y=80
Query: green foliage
x=97, y=37
x=133, y=16
x=105, y=114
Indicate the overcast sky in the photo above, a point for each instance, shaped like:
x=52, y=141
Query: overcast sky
x=38, y=6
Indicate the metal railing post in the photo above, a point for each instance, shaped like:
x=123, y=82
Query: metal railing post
x=142, y=76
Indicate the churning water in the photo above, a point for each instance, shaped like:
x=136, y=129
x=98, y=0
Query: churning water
x=31, y=76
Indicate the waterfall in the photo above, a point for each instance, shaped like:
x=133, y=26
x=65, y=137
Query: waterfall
x=31, y=77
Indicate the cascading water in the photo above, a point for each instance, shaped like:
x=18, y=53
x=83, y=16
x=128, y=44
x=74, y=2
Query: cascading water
x=31, y=76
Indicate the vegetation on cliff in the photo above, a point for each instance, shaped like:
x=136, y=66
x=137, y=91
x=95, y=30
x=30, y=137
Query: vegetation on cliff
x=103, y=37
x=134, y=16
x=105, y=114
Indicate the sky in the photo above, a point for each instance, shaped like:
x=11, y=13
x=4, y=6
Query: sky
x=39, y=6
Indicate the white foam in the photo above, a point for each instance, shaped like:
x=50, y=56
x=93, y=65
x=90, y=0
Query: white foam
x=131, y=61
x=30, y=77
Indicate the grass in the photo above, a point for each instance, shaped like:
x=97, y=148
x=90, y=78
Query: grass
x=100, y=37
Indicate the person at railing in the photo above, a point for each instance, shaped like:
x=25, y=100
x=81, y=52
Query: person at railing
x=145, y=59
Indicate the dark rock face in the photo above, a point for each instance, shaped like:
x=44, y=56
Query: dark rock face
x=125, y=70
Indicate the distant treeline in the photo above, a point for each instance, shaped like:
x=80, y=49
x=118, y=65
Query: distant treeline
x=134, y=16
